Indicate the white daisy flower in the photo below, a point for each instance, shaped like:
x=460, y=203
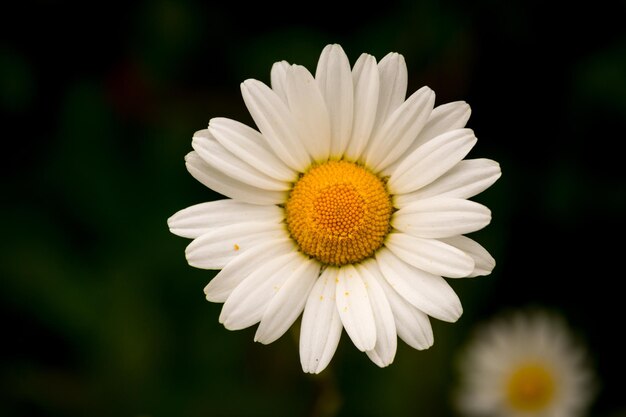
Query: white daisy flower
x=526, y=364
x=349, y=204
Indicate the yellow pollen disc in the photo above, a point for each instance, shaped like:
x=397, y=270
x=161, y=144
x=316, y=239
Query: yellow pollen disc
x=338, y=213
x=531, y=387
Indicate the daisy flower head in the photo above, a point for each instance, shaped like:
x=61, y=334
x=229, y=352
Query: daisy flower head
x=525, y=364
x=347, y=206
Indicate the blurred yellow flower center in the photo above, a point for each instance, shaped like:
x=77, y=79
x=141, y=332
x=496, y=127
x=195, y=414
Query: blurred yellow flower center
x=338, y=213
x=531, y=387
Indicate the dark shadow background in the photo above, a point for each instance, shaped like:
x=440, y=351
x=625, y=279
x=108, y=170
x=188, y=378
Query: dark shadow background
x=103, y=317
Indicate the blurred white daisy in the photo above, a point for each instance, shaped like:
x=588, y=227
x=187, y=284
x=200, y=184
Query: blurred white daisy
x=350, y=203
x=526, y=364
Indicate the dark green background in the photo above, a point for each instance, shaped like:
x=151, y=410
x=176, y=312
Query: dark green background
x=103, y=317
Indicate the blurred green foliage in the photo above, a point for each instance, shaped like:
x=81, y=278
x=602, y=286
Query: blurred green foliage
x=103, y=315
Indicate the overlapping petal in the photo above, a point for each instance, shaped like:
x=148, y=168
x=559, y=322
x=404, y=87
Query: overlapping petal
x=442, y=119
x=439, y=217
x=399, y=130
x=196, y=220
x=483, y=261
x=431, y=160
x=218, y=157
x=412, y=324
x=309, y=112
x=384, y=351
x=355, y=309
x=321, y=326
x=427, y=292
x=278, y=76
x=288, y=303
x=431, y=255
x=465, y=180
x=366, y=81
x=213, y=250
x=393, y=84
x=249, y=300
x=250, y=146
x=228, y=186
x=242, y=265
x=275, y=121
x=334, y=77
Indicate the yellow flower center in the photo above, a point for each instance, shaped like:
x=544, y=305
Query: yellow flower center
x=531, y=387
x=338, y=213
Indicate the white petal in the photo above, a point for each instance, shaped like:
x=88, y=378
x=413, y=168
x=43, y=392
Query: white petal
x=366, y=82
x=386, y=337
x=443, y=118
x=274, y=120
x=354, y=308
x=242, y=265
x=250, y=146
x=430, y=255
x=278, y=76
x=431, y=160
x=393, y=84
x=248, y=301
x=223, y=184
x=309, y=112
x=483, y=261
x=289, y=302
x=321, y=327
x=230, y=165
x=427, y=292
x=214, y=249
x=412, y=324
x=196, y=220
x=441, y=217
x=466, y=179
x=396, y=134
x=335, y=82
